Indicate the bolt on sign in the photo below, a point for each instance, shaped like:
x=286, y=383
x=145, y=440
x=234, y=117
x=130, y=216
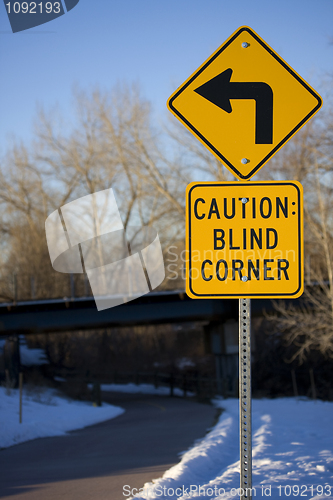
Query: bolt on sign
x=244, y=239
x=244, y=103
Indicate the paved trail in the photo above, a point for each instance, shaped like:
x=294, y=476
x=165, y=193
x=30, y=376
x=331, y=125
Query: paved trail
x=96, y=462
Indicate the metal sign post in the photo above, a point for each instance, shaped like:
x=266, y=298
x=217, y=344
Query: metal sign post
x=245, y=407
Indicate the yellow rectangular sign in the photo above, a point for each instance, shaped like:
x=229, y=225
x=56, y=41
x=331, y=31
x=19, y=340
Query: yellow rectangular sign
x=244, y=239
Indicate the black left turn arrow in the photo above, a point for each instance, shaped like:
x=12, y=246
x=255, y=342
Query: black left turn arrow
x=219, y=90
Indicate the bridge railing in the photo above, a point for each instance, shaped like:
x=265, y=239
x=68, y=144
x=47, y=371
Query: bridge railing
x=176, y=384
x=308, y=383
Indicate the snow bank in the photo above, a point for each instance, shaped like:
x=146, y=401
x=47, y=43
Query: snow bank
x=32, y=357
x=46, y=414
x=28, y=357
x=292, y=455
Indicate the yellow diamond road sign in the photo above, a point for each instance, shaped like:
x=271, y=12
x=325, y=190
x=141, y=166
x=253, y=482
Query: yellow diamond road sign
x=244, y=103
x=244, y=240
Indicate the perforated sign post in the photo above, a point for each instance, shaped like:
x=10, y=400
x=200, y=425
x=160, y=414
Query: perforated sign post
x=244, y=240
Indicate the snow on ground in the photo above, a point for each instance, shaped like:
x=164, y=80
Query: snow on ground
x=28, y=356
x=46, y=414
x=141, y=389
x=292, y=455
x=32, y=357
x=292, y=444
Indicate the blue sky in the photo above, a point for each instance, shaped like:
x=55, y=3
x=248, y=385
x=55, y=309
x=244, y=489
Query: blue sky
x=156, y=43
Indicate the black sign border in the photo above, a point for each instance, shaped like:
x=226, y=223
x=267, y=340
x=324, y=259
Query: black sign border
x=288, y=136
x=251, y=295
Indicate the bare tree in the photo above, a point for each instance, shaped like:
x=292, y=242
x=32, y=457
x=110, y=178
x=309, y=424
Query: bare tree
x=308, y=158
x=193, y=155
x=112, y=143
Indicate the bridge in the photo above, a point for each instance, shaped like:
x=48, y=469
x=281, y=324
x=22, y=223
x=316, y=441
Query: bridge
x=56, y=315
